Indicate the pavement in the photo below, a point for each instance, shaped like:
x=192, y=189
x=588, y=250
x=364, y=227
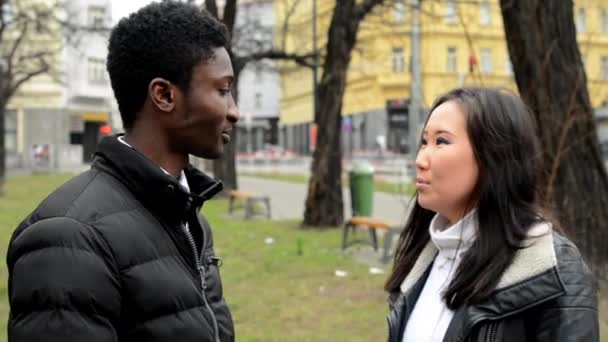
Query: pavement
x=75, y=169
x=287, y=199
x=287, y=202
x=396, y=169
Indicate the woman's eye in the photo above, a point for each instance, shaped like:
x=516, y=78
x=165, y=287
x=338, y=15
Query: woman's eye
x=441, y=140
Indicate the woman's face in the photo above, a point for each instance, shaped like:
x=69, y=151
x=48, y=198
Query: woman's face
x=446, y=169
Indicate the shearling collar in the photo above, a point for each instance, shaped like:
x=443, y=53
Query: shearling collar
x=537, y=257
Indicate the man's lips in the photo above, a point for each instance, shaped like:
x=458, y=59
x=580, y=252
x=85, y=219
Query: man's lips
x=226, y=136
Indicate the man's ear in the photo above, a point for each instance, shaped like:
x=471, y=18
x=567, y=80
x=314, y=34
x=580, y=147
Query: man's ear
x=162, y=94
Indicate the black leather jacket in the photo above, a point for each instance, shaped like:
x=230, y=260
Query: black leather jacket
x=532, y=302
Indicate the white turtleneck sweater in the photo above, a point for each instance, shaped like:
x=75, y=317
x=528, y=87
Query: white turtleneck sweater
x=431, y=317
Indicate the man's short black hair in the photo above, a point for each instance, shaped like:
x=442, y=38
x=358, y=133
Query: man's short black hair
x=164, y=40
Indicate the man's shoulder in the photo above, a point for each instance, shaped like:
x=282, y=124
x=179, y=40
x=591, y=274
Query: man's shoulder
x=74, y=209
x=86, y=198
x=93, y=192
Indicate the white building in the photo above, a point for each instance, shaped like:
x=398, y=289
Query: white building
x=89, y=96
x=54, y=121
x=259, y=87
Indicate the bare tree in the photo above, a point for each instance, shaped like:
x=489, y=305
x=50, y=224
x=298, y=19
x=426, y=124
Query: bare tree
x=30, y=45
x=324, y=204
x=250, y=41
x=549, y=72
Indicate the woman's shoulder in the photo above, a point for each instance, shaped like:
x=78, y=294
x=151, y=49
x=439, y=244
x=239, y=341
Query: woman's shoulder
x=542, y=250
x=570, y=262
x=575, y=276
x=547, y=243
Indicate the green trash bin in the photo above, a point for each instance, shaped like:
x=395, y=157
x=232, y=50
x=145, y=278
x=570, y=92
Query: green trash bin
x=361, y=179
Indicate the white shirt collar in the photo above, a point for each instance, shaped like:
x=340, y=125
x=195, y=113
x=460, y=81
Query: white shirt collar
x=183, y=181
x=459, y=236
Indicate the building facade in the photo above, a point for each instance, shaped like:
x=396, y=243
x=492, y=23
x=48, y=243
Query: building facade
x=56, y=119
x=462, y=44
x=258, y=84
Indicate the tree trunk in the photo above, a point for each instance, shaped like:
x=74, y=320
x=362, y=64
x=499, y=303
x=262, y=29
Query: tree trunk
x=324, y=205
x=224, y=168
x=2, y=149
x=551, y=79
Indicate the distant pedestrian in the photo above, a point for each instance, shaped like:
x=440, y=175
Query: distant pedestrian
x=479, y=260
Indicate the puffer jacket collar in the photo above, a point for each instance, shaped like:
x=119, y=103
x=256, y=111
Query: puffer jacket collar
x=159, y=192
x=531, y=279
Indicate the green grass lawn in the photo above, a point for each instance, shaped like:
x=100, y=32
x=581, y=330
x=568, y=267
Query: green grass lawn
x=275, y=293
x=379, y=185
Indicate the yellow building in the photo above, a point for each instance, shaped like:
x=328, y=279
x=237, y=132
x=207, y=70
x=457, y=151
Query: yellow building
x=453, y=34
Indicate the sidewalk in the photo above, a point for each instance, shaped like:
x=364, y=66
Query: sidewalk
x=392, y=169
x=287, y=202
x=75, y=169
x=287, y=199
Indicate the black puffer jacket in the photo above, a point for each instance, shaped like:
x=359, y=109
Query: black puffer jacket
x=546, y=295
x=106, y=257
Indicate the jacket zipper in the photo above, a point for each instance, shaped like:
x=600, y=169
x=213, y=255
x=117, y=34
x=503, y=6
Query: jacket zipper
x=490, y=333
x=388, y=320
x=201, y=272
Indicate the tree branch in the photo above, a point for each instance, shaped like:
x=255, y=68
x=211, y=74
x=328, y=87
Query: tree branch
x=211, y=7
x=365, y=7
x=44, y=68
x=303, y=60
x=13, y=51
x=288, y=13
x=229, y=17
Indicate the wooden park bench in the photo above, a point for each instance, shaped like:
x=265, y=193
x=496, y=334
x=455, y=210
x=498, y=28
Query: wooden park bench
x=249, y=201
x=372, y=224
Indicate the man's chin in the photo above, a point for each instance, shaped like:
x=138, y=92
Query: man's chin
x=211, y=155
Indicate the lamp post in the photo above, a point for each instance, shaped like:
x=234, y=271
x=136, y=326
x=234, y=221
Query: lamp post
x=416, y=84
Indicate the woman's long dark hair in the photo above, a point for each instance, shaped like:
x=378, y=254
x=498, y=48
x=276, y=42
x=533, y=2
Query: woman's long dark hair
x=502, y=132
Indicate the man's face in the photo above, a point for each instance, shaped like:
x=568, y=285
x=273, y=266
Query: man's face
x=206, y=114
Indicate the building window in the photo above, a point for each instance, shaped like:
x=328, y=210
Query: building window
x=485, y=17
x=10, y=131
x=399, y=11
x=581, y=21
x=486, y=61
x=398, y=60
x=257, y=101
x=604, y=20
x=451, y=12
x=97, y=16
x=96, y=70
x=452, y=64
x=604, y=68
x=7, y=12
x=259, y=74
